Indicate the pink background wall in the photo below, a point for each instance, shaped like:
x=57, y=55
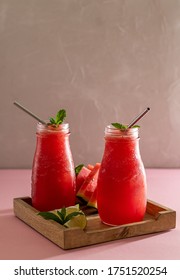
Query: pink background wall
x=103, y=61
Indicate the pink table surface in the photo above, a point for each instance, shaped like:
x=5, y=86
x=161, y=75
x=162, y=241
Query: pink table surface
x=19, y=241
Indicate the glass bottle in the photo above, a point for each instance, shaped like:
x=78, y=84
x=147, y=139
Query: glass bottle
x=121, y=190
x=53, y=175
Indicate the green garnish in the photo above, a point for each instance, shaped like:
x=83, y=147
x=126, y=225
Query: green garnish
x=78, y=168
x=59, y=118
x=63, y=215
x=122, y=126
x=119, y=126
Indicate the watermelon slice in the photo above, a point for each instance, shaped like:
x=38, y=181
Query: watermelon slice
x=90, y=166
x=90, y=184
x=81, y=177
x=93, y=199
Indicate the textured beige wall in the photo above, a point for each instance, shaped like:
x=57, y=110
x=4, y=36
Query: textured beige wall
x=103, y=61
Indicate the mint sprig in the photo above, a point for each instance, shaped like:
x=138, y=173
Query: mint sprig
x=122, y=126
x=119, y=126
x=60, y=116
x=60, y=216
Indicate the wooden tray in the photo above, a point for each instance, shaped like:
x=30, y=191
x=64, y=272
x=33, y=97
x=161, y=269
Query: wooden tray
x=158, y=218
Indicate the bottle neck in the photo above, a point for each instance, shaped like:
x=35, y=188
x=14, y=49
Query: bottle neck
x=51, y=140
x=122, y=143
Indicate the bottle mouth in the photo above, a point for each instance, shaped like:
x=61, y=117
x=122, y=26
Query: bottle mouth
x=64, y=127
x=132, y=132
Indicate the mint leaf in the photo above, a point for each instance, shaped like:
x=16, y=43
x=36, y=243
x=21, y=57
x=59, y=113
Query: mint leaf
x=63, y=212
x=60, y=116
x=52, y=121
x=119, y=125
x=78, y=168
x=49, y=216
x=61, y=216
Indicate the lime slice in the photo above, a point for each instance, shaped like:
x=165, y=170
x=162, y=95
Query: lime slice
x=77, y=221
x=72, y=209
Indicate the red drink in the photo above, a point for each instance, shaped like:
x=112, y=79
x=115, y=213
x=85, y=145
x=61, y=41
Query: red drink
x=121, y=191
x=53, y=175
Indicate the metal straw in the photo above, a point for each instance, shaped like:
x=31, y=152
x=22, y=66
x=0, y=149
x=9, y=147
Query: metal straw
x=29, y=112
x=138, y=117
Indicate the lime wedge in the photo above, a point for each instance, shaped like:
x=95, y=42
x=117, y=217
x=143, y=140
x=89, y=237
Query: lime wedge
x=77, y=221
x=72, y=209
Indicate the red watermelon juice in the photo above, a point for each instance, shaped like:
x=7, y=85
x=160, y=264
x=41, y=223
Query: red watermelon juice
x=121, y=188
x=53, y=176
